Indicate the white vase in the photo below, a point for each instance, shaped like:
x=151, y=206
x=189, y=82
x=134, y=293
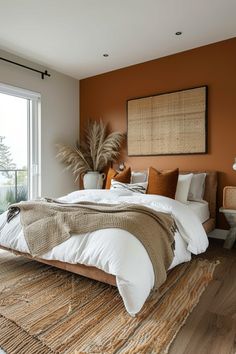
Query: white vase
x=93, y=180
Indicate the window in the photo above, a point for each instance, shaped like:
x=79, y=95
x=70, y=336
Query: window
x=19, y=145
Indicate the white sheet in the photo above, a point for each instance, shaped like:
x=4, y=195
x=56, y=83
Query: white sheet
x=116, y=251
x=201, y=209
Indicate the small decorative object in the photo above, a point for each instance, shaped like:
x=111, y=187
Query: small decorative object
x=234, y=165
x=121, y=166
x=93, y=180
x=168, y=124
x=96, y=151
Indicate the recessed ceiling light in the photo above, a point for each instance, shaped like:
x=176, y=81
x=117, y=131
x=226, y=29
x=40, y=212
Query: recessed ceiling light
x=106, y=55
x=178, y=33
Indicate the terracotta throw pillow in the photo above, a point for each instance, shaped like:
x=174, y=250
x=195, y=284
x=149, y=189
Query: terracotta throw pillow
x=162, y=183
x=123, y=176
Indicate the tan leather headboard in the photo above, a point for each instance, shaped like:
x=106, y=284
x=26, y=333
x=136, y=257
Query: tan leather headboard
x=210, y=189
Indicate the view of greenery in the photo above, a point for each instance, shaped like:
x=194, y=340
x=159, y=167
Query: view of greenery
x=13, y=182
x=6, y=162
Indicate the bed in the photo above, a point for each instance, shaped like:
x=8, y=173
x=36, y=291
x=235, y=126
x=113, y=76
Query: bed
x=134, y=285
x=209, y=197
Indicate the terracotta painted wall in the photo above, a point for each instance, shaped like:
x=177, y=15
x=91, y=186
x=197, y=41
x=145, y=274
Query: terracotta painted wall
x=104, y=96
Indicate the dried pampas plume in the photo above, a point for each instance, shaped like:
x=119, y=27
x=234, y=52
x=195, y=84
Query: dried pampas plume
x=95, y=152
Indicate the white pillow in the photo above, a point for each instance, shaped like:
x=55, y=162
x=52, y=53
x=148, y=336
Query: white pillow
x=183, y=187
x=197, y=187
x=132, y=187
x=138, y=177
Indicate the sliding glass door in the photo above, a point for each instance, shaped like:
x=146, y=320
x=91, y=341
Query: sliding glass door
x=19, y=145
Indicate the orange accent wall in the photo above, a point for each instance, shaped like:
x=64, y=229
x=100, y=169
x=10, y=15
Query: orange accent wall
x=104, y=96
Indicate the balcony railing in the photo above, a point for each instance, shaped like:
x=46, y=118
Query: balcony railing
x=13, y=187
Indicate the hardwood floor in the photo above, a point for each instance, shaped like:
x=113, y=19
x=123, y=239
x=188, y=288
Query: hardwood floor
x=211, y=327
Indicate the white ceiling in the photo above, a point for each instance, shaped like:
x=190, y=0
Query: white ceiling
x=70, y=36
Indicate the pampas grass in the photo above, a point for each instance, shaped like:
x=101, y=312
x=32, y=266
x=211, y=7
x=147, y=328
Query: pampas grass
x=95, y=152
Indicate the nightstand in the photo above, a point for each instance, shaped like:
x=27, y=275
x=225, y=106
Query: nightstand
x=230, y=215
x=229, y=211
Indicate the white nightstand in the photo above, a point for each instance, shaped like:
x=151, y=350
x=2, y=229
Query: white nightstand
x=230, y=215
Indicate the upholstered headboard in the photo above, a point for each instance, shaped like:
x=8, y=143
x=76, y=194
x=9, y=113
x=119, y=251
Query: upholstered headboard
x=210, y=189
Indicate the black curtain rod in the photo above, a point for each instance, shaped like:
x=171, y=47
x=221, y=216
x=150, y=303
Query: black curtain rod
x=43, y=73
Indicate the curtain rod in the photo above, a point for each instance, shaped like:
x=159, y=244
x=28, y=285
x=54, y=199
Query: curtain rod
x=43, y=73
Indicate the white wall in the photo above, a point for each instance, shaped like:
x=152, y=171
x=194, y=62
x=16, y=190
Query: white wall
x=59, y=118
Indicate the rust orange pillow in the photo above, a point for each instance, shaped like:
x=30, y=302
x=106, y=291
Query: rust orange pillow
x=123, y=176
x=162, y=183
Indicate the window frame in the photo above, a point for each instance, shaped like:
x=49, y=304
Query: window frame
x=33, y=135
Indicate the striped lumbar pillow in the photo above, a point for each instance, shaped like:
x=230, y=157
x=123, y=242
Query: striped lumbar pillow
x=133, y=187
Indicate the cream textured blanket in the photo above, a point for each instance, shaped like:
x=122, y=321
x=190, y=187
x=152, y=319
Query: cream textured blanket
x=45, y=225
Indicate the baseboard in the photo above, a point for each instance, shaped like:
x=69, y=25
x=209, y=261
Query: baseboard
x=218, y=233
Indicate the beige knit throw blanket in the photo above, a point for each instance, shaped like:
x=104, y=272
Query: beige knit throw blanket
x=48, y=224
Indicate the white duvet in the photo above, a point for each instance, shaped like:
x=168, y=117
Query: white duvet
x=116, y=251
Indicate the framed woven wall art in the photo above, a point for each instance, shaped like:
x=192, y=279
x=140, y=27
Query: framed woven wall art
x=168, y=124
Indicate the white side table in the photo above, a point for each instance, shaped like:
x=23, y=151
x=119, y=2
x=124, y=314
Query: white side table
x=230, y=215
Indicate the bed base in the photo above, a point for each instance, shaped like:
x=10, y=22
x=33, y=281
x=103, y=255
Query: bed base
x=86, y=271
x=97, y=274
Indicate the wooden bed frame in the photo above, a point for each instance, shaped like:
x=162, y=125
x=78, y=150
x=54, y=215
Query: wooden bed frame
x=97, y=274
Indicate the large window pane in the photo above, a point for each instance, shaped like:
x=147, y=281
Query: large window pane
x=13, y=150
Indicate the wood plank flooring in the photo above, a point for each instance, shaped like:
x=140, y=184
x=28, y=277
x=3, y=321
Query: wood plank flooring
x=211, y=327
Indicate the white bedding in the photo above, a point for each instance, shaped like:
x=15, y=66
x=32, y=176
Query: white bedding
x=201, y=209
x=116, y=251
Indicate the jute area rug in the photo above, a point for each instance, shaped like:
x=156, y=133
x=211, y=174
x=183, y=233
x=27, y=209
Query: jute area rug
x=45, y=310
